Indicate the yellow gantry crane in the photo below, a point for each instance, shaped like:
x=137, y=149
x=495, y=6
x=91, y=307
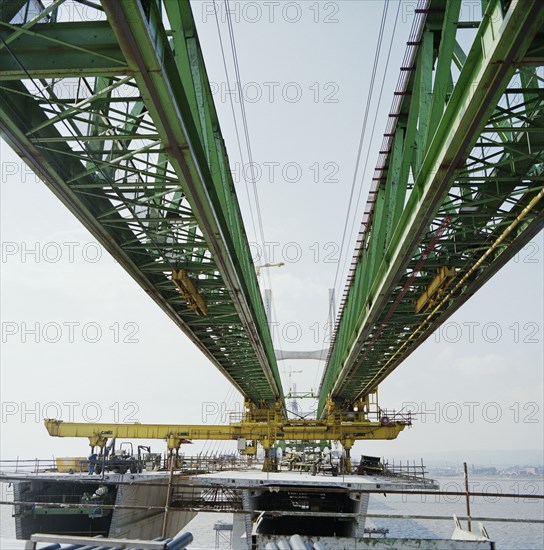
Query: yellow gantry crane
x=265, y=426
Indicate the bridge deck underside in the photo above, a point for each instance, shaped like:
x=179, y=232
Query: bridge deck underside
x=116, y=116
x=458, y=185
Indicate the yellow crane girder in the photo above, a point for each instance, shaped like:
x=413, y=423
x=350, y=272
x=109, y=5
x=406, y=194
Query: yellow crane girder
x=334, y=428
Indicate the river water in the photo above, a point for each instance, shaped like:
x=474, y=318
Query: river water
x=506, y=535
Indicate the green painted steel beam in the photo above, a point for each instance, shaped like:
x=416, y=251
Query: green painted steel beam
x=143, y=39
x=138, y=157
x=378, y=328
x=56, y=50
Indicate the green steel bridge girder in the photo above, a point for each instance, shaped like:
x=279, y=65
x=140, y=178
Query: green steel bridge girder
x=78, y=49
x=117, y=118
x=459, y=164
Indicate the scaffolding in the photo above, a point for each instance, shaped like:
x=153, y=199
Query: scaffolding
x=223, y=534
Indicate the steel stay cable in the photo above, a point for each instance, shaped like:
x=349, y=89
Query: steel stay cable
x=358, y=159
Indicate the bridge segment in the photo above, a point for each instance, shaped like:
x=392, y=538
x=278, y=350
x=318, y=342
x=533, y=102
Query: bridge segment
x=457, y=192
x=115, y=114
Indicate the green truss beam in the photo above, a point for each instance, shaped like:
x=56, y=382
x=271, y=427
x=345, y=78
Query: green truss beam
x=117, y=118
x=42, y=50
x=459, y=165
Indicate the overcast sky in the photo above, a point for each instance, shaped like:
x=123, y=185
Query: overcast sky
x=306, y=71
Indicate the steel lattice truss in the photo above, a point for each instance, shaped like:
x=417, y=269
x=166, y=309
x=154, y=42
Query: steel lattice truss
x=457, y=191
x=114, y=111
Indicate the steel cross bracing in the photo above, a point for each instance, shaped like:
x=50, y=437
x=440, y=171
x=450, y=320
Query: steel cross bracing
x=458, y=189
x=110, y=104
